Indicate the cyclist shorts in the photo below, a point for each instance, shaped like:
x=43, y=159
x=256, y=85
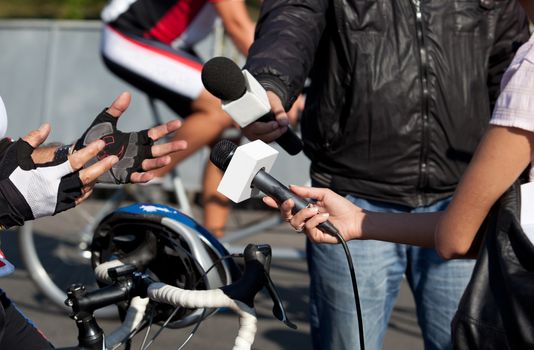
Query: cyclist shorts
x=161, y=71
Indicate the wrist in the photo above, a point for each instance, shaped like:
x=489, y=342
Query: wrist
x=358, y=231
x=62, y=153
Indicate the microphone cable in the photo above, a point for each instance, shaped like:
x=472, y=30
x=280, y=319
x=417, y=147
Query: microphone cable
x=354, y=284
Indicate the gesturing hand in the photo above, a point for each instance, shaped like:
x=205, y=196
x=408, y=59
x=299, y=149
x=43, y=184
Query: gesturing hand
x=29, y=191
x=136, y=150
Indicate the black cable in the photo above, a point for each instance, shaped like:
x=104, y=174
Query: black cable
x=354, y=287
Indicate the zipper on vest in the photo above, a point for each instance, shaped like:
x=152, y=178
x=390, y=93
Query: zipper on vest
x=425, y=100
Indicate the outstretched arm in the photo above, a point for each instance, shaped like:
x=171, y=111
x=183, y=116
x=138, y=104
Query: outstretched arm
x=353, y=222
x=501, y=157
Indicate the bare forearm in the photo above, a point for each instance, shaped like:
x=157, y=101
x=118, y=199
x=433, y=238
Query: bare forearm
x=404, y=228
x=237, y=23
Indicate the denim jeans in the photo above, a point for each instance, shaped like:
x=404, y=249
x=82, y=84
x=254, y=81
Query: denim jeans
x=437, y=286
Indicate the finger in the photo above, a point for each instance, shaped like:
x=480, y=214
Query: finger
x=303, y=216
x=270, y=202
x=156, y=163
x=315, y=221
x=37, y=137
x=120, y=104
x=278, y=109
x=82, y=156
x=308, y=192
x=141, y=177
x=261, y=128
x=315, y=234
x=159, y=131
x=286, y=210
x=266, y=132
x=167, y=148
x=84, y=197
x=92, y=173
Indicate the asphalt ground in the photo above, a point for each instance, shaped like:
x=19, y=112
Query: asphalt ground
x=219, y=330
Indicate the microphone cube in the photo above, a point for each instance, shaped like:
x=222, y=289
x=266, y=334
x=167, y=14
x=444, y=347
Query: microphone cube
x=253, y=105
x=247, y=160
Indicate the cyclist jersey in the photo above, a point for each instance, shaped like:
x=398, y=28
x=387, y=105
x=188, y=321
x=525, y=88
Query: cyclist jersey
x=178, y=23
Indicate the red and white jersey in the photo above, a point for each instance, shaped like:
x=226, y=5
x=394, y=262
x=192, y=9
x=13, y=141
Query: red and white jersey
x=178, y=23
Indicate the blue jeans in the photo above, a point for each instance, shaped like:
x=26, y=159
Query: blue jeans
x=437, y=286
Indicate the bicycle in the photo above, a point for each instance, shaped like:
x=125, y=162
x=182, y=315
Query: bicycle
x=132, y=250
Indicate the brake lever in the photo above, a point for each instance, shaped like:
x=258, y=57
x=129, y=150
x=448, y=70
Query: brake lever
x=278, y=308
x=257, y=263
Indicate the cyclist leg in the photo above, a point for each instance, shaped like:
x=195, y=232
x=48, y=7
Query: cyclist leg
x=16, y=331
x=216, y=206
x=204, y=119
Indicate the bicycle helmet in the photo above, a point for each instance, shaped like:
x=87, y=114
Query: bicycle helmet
x=169, y=246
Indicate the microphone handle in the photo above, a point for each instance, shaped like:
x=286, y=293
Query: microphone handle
x=273, y=188
x=289, y=141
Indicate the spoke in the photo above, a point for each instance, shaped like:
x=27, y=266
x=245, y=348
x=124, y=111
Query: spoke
x=201, y=318
x=161, y=328
x=148, y=328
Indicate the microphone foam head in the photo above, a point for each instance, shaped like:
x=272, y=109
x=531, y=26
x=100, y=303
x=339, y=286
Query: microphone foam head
x=222, y=153
x=223, y=79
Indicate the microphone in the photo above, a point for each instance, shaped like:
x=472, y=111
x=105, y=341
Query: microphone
x=243, y=98
x=245, y=168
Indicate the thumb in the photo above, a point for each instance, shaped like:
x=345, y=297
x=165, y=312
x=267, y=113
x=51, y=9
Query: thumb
x=277, y=109
x=37, y=137
x=120, y=104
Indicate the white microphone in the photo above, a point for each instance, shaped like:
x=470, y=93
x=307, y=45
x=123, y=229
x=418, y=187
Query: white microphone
x=246, y=169
x=243, y=98
x=240, y=165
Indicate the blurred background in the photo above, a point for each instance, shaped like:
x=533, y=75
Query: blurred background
x=69, y=9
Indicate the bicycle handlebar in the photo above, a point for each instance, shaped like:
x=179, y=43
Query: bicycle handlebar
x=131, y=285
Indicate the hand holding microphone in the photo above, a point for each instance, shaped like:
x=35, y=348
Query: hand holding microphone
x=245, y=100
x=246, y=169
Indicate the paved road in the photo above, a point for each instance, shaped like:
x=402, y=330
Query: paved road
x=218, y=331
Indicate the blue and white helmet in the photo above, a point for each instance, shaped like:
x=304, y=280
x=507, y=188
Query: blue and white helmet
x=184, y=253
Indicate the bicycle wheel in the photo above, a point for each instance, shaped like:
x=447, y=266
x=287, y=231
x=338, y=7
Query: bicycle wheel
x=55, y=250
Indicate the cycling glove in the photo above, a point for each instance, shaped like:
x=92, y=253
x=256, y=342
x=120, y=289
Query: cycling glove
x=29, y=191
x=131, y=148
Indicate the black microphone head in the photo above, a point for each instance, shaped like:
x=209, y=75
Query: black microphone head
x=223, y=79
x=222, y=153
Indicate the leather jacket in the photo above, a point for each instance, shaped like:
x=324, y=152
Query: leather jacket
x=496, y=311
x=401, y=90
